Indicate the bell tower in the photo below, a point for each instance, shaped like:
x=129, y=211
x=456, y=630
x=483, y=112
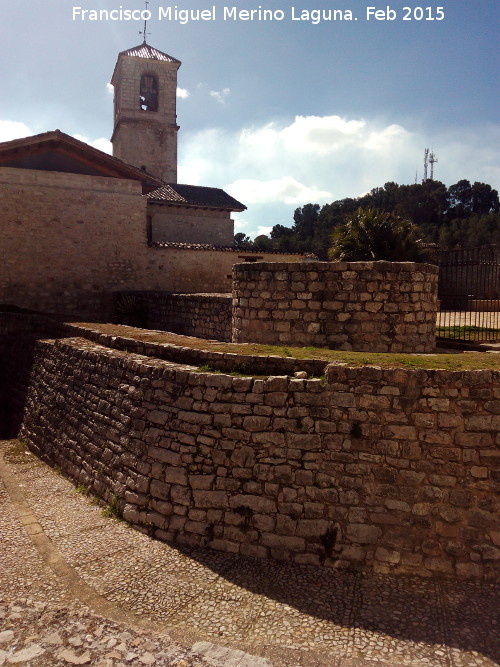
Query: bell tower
x=145, y=118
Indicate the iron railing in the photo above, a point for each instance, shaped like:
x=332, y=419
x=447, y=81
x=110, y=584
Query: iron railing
x=469, y=294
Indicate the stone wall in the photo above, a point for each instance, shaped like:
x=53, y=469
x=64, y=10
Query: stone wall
x=200, y=315
x=388, y=470
x=171, y=224
x=70, y=240
x=362, y=306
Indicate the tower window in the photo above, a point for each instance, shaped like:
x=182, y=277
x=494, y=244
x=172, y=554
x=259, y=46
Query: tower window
x=148, y=98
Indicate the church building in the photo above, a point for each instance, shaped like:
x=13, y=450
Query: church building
x=79, y=224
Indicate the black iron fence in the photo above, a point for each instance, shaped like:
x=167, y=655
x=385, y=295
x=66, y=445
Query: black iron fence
x=469, y=294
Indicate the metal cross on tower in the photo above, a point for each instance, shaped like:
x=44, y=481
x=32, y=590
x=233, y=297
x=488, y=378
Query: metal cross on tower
x=144, y=33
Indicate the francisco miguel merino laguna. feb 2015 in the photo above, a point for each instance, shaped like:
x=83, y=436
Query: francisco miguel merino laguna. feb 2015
x=233, y=13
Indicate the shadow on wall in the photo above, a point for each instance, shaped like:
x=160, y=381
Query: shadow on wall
x=16, y=364
x=131, y=310
x=18, y=337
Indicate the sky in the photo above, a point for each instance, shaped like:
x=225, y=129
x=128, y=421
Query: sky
x=279, y=112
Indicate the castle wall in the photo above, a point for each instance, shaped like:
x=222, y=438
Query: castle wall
x=390, y=470
x=362, y=306
x=69, y=241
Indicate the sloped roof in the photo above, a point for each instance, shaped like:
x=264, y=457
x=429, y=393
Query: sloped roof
x=195, y=195
x=147, y=52
x=57, y=151
x=144, y=50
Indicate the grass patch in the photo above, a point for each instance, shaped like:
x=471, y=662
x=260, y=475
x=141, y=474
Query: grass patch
x=113, y=510
x=449, y=361
x=239, y=370
x=206, y=368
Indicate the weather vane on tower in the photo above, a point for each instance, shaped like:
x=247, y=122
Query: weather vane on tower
x=144, y=33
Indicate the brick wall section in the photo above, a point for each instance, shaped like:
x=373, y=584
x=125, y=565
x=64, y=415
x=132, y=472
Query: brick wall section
x=171, y=224
x=57, y=252
x=69, y=241
x=362, y=306
x=200, y=315
x=386, y=470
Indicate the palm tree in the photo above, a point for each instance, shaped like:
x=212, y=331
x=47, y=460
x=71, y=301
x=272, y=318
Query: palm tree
x=370, y=235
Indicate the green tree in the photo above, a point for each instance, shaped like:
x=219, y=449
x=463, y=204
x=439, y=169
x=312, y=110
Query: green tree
x=459, y=199
x=304, y=221
x=462, y=215
x=241, y=240
x=370, y=234
x=484, y=199
x=385, y=199
x=283, y=238
x=280, y=231
x=263, y=242
x=331, y=216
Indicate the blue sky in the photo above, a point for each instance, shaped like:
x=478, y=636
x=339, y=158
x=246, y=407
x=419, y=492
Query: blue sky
x=279, y=113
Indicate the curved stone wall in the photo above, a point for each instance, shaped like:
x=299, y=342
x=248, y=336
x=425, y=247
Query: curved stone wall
x=391, y=470
x=362, y=306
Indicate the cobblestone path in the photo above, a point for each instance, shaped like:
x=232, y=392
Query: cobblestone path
x=79, y=588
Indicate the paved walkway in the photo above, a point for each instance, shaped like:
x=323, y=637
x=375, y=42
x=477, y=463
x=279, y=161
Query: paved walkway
x=79, y=588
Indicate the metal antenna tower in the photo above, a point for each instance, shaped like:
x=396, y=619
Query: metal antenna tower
x=432, y=159
x=426, y=164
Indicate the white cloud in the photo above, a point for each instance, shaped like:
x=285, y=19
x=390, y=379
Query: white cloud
x=285, y=189
x=11, y=129
x=182, y=93
x=313, y=158
x=220, y=95
x=263, y=230
x=110, y=88
x=188, y=174
x=101, y=144
x=321, y=134
x=381, y=141
x=239, y=224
